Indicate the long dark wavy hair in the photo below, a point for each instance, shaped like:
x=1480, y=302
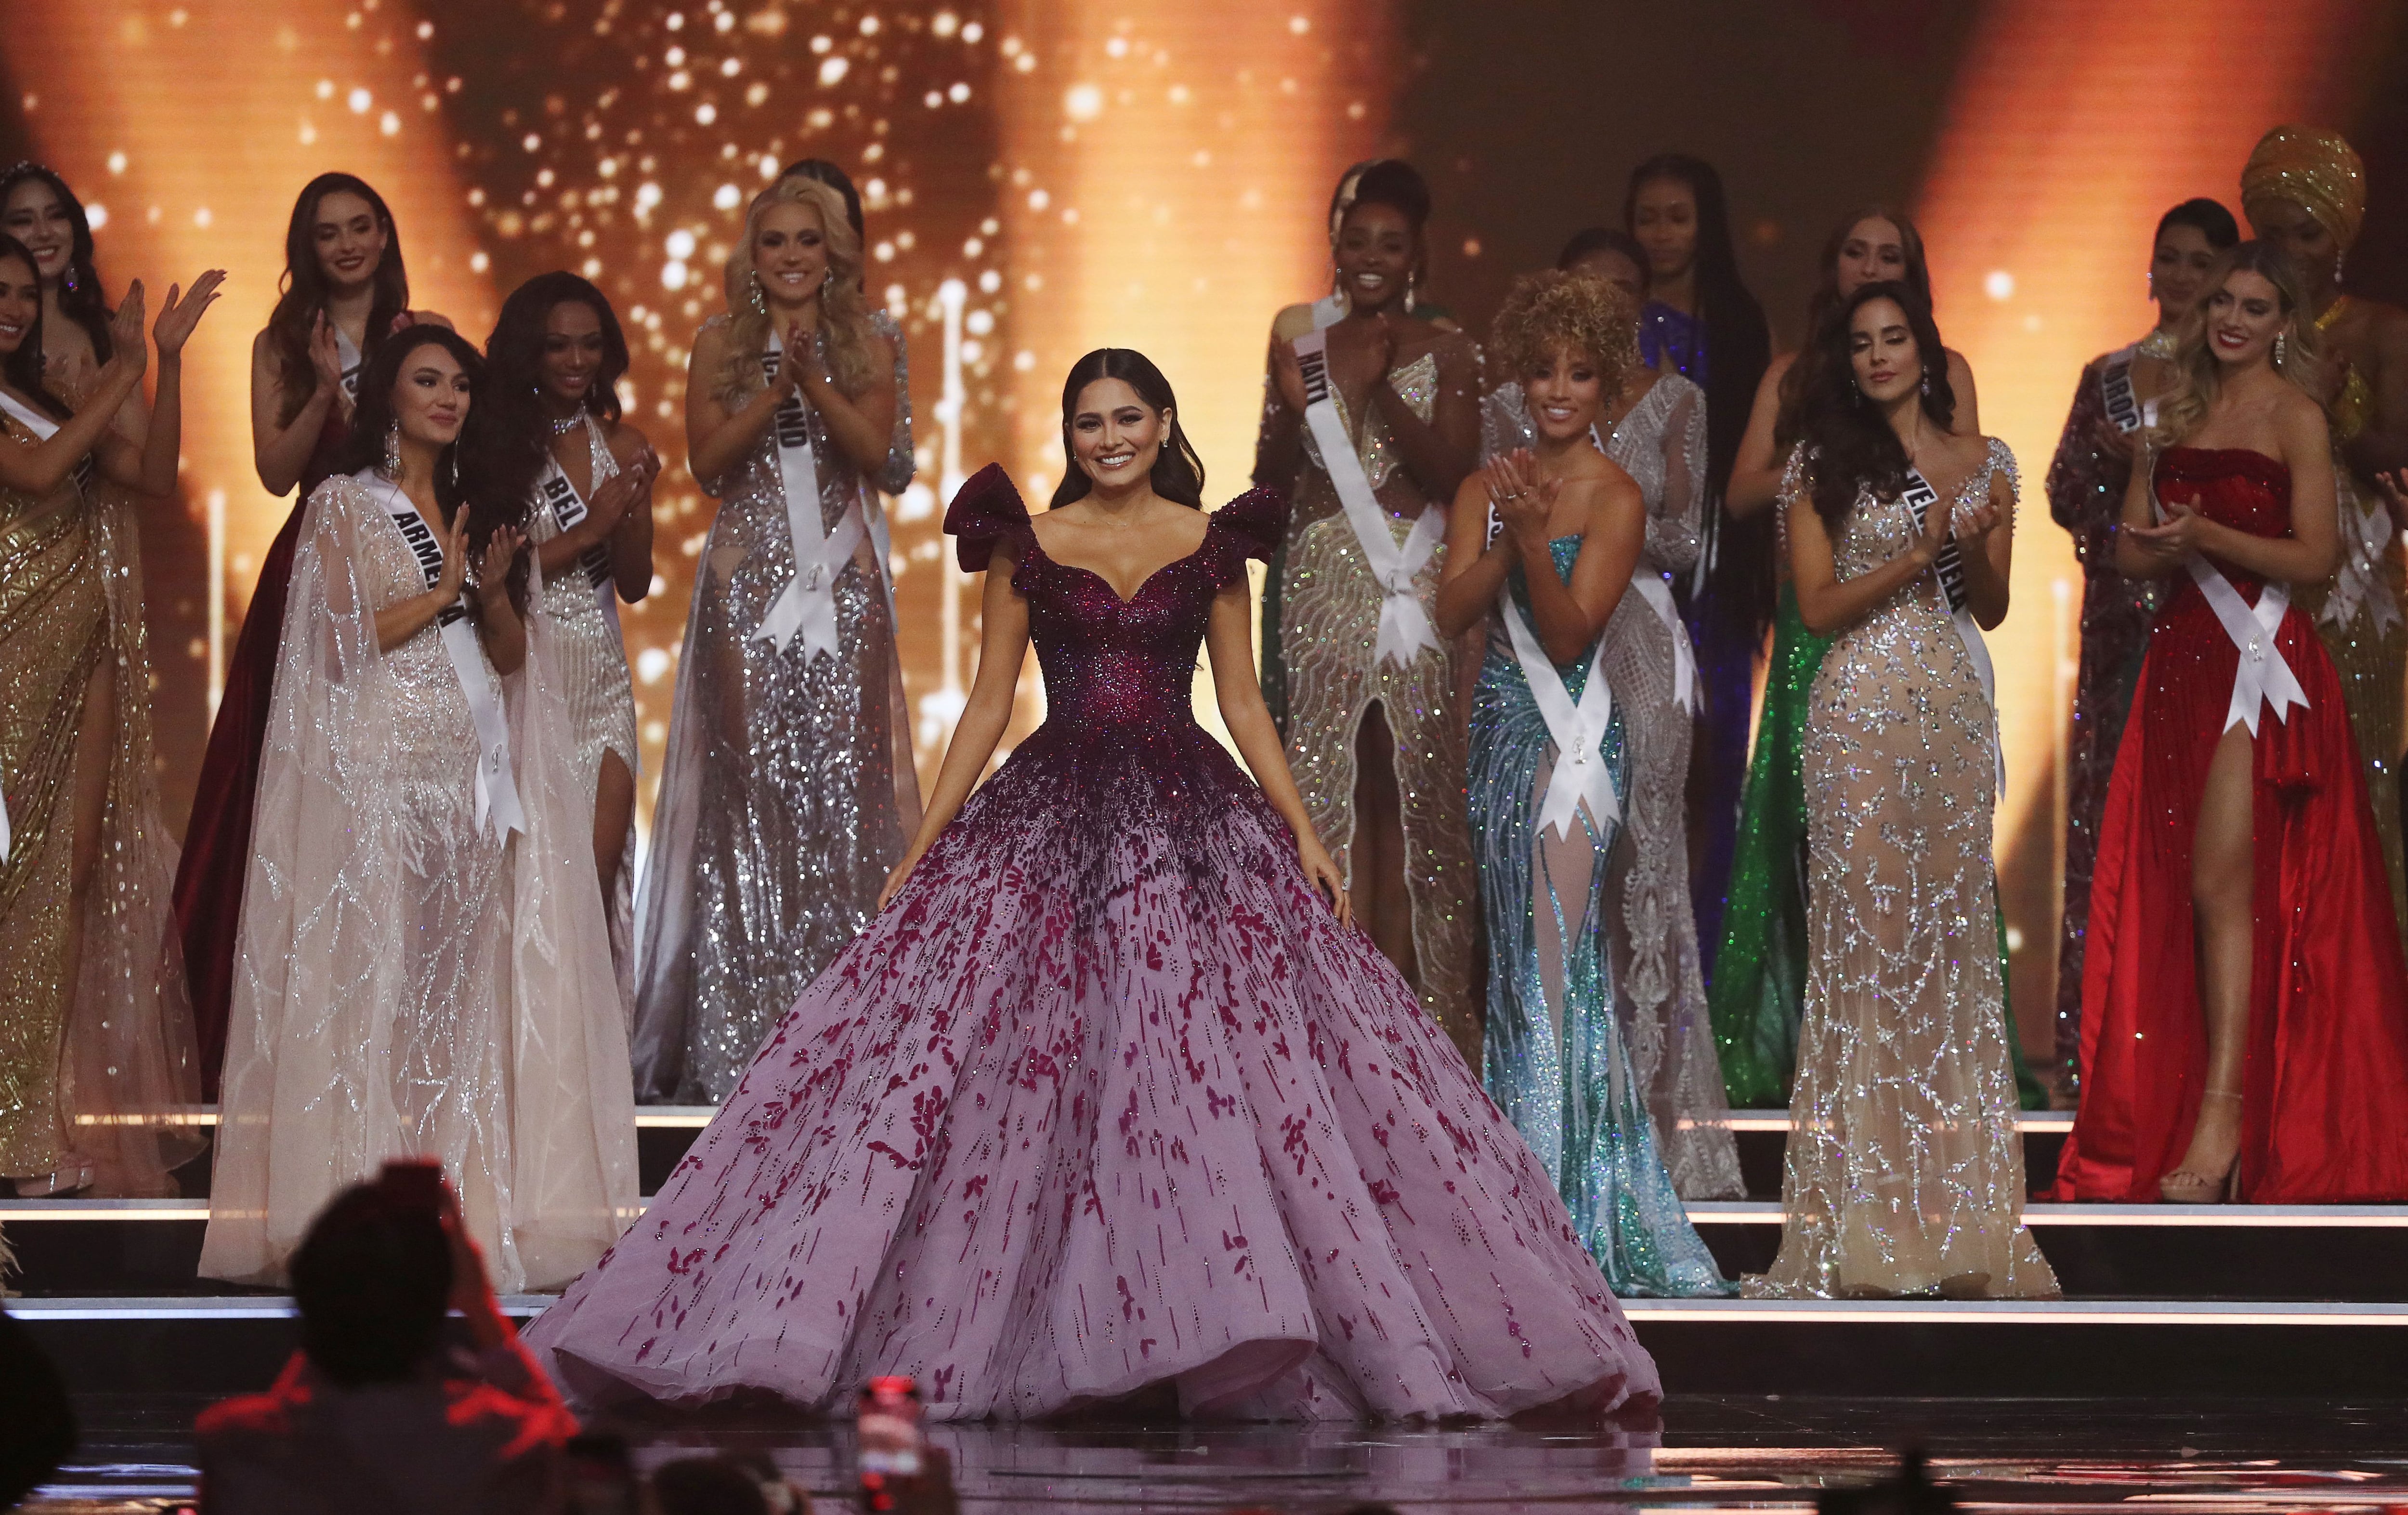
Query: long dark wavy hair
x=509, y=439
x=24, y=367
x=1849, y=445
x=79, y=296
x=1739, y=345
x=456, y=486
x=302, y=292
x=1826, y=298
x=1178, y=472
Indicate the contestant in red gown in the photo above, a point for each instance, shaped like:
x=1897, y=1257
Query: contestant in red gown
x=344, y=291
x=1107, y=1098
x=2245, y=1024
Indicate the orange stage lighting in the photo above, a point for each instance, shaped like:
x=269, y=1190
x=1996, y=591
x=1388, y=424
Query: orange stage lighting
x=188, y=131
x=2073, y=126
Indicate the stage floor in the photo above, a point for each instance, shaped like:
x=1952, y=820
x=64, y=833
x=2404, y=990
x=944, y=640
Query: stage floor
x=1713, y=1453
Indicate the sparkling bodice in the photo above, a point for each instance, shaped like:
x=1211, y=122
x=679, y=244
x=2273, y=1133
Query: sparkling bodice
x=2232, y=486
x=1114, y=670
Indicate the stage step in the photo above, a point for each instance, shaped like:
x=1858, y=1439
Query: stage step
x=2077, y=1347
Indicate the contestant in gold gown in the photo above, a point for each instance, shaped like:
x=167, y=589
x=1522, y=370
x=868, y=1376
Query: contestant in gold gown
x=2305, y=189
x=95, y=1030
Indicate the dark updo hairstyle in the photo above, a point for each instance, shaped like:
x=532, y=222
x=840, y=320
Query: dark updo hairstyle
x=1849, y=446
x=24, y=367
x=1395, y=183
x=1593, y=239
x=835, y=179
x=509, y=436
x=2208, y=216
x=1178, y=472
x=373, y=1282
x=80, y=297
x=302, y=291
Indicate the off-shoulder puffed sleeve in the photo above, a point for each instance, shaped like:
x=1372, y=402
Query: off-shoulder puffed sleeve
x=1250, y=525
x=985, y=512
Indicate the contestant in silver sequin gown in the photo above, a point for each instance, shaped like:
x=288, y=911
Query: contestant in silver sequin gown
x=408, y=982
x=788, y=792
x=601, y=699
x=1904, y=1173
x=1658, y=990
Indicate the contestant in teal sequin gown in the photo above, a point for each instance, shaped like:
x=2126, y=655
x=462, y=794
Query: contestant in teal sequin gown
x=1554, y=1061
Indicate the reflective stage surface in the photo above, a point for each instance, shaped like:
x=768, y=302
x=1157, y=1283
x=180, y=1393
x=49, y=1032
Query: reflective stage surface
x=1712, y=1452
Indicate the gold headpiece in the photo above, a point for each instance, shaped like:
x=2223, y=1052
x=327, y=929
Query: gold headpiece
x=2316, y=169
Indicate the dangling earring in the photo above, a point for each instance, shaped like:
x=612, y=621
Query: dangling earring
x=451, y=469
x=2340, y=258
x=760, y=307
x=1337, y=286
x=2278, y=350
x=1413, y=277
x=70, y=279
x=1927, y=383
x=393, y=452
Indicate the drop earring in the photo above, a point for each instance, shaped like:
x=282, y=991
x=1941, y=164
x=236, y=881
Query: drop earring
x=760, y=306
x=2279, y=351
x=393, y=452
x=1927, y=385
x=1413, y=277
x=452, y=467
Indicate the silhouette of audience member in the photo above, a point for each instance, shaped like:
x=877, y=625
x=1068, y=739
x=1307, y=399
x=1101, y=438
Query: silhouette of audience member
x=374, y=1414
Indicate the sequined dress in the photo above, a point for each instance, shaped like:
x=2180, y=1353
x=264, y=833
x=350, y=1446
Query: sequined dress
x=787, y=794
x=1106, y=1099
x=2086, y=494
x=600, y=696
x=2324, y=1084
x=90, y=1071
x=1554, y=1059
x=1658, y=990
x=1321, y=681
x=1904, y=1173
x=407, y=981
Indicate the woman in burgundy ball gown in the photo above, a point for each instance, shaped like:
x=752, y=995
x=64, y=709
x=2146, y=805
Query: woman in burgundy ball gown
x=1111, y=1096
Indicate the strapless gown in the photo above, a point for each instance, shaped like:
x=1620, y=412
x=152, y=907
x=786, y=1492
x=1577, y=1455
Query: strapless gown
x=2324, y=1090
x=1105, y=1100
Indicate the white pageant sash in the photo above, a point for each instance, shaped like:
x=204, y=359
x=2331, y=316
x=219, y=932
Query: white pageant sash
x=2365, y=533
x=2261, y=676
x=346, y=354
x=1658, y=595
x=1581, y=776
x=568, y=510
x=44, y=428
x=807, y=603
x=1949, y=568
x=497, y=792
x=2124, y=412
x=1405, y=628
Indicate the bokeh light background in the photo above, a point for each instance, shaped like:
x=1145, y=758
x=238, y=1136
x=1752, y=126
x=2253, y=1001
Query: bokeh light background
x=1042, y=179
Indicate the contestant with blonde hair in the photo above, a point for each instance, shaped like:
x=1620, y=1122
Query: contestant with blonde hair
x=1541, y=548
x=788, y=792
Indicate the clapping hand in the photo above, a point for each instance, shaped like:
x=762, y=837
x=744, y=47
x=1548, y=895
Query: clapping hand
x=2172, y=539
x=1523, y=496
x=182, y=311
x=130, y=351
x=494, y=567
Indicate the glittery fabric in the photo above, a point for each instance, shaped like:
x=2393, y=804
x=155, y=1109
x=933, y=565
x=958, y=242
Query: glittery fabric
x=2316, y=169
x=1329, y=614
x=1666, y=334
x=89, y=1070
x=1554, y=1061
x=1105, y=1100
x=2323, y=1116
x=1759, y=988
x=592, y=674
x=786, y=796
x=408, y=982
x=1658, y=989
x=1903, y=1173
x=2085, y=495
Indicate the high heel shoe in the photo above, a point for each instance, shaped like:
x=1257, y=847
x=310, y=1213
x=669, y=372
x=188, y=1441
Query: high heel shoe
x=2186, y=1185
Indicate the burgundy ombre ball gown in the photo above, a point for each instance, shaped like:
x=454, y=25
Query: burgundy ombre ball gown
x=2325, y=1088
x=1107, y=1100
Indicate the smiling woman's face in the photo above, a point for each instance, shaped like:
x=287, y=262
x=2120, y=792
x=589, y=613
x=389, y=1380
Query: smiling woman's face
x=1114, y=434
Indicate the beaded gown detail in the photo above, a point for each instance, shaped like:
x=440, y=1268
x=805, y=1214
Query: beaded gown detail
x=788, y=790
x=2325, y=1086
x=600, y=696
x=1659, y=991
x=407, y=981
x=1321, y=681
x=93, y=1070
x=1555, y=1061
x=1106, y=1099
x=2085, y=495
x=1904, y=1171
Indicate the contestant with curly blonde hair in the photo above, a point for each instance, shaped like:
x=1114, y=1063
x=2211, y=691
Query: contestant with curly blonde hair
x=1652, y=424
x=1541, y=546
x=788, y=792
